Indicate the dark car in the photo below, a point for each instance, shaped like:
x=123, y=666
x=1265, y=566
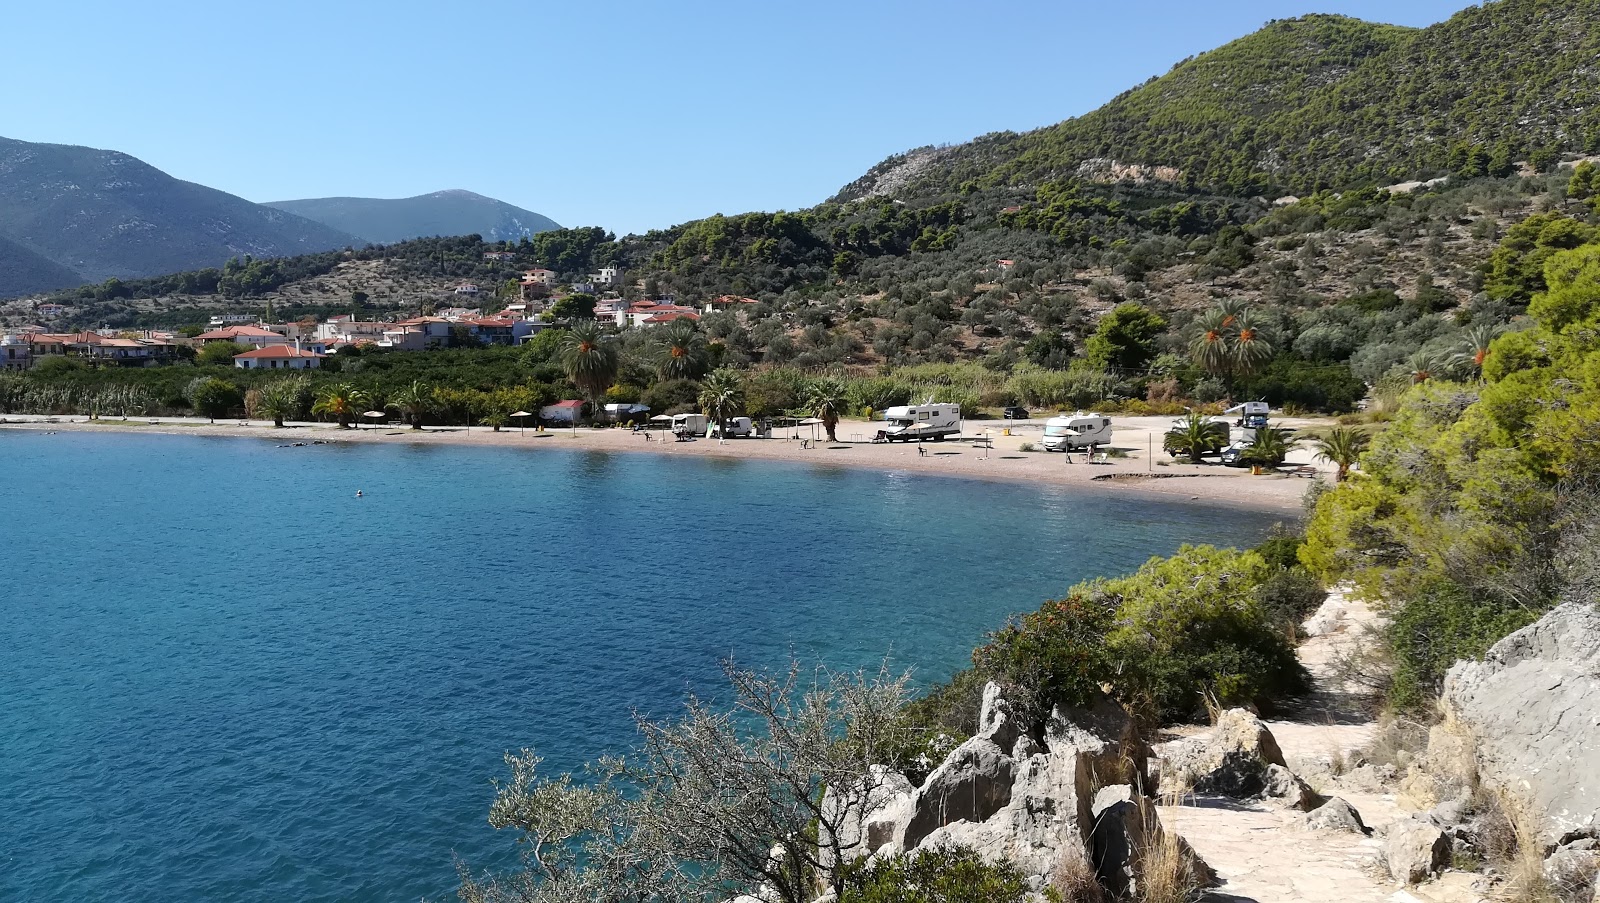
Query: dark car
x=1015, y=413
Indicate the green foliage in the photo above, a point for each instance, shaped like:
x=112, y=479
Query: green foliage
x=1270, y=446
x=1291, y=379
x=219, y=353
x=1195, y=436
x=590, y=359
x=576, y=306
x=673, y=396
x=1437, y=626
x=213, y=397
x=1190, y=627
x=943, y=875
x=574, y=251
x=1181, y=630
x=1515, y=272
x=1126, y=337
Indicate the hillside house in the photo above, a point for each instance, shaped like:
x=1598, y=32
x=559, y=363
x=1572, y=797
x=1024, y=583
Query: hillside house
x=501, y=256
x=608, y=276
x=278, y=357
x=467, y=289
x=728, y=302
x=243, y=335
x=220, y=320
x=50, y=310
x=16, y=352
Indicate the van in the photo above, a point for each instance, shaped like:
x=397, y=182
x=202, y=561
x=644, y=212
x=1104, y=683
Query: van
x=688, y=425
x=1072, y=431
x=738, y=428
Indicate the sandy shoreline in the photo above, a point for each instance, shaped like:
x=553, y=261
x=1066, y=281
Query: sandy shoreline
x=1137, y=437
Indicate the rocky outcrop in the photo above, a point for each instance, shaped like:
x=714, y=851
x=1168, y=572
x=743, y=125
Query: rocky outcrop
x=1336, y=815
x=1029, y=797
x=972, y=784
x=1240, y=759
x=1415, y=850
x=1531, y=710
x=865, y=820
x=1126, y=833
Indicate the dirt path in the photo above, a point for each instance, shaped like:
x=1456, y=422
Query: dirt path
x=1264, y=855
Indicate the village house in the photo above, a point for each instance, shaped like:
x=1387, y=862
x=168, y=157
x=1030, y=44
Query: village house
x=728, y=302
x=50, y=310
x=651, y=313
x=243, y=335
x=467, y=288
x=568, y=412
x=16, y=353
x=608, y=276
x=220, y=320
x=278, y=357
x=502, y=256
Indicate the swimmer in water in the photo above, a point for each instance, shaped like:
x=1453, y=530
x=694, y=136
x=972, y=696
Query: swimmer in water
x=358, y=493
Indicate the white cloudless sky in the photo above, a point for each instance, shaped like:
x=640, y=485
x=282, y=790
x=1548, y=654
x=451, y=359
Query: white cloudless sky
x=628, y=115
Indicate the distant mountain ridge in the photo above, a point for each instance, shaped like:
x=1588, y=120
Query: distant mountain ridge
x=84, y=214
x=385, y=221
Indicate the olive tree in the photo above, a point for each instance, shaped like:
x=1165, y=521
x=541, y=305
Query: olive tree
x=720, y=802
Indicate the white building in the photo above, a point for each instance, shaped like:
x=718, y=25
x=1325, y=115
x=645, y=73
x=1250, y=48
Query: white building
x=278, y=357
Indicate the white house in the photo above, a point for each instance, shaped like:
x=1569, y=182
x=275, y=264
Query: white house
x=16, y=352
x=244, y=335
x=607, y=276
x=278, y=357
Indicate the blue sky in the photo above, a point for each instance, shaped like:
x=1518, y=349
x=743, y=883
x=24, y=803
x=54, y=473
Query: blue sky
x=628, y=115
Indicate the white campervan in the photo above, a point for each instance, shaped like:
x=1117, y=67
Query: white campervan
x=1080, y=430
x=738, y=428
x=689, y=425
x=913, y=422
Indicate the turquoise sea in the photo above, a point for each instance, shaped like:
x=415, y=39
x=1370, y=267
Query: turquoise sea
x=223, y=677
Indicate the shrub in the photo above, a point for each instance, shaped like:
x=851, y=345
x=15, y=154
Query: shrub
x=1190, y=627
x=1435, y=628
x=665, y=396
x=941, y=875
x=1054, y=655
x=1290, y=596
x=929, y=727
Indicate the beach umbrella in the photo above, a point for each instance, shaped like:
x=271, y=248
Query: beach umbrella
x=521, y=417
x=375, y=415
x=812, y=422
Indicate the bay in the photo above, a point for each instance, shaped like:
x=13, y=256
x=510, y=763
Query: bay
x=225, y=677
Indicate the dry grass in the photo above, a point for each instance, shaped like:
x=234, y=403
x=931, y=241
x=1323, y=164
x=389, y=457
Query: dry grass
x=1075, y=880
x=1166, y=874
x=1509, y=839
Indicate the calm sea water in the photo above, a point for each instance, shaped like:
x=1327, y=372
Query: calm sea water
x=225, y=678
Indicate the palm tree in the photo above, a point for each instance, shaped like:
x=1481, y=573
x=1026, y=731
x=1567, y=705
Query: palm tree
x=341, y=401
x=723, y=391
x=1425, y=365
x=1270, y=447
x=279, y=399
x=683, y=350
x=590, y=361
x=413, y=401
x=825, y=399
x=1231, y=309
x=1250, y=349
x=1210, y=345
x=1193, y=436
x=1342, y=447
x=1475, y=345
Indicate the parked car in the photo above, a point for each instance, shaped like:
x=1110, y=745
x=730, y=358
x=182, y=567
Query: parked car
x=1015, y=413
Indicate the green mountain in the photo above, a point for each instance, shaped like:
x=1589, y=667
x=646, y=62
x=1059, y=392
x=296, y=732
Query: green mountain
x=97, y=214
x=23, y=272
x=385, y=221
x=1319, y=101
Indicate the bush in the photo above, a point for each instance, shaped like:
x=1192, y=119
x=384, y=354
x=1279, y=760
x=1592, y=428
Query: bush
x=1289, y=379
x=930, y=726
x=1190, y=627
x=941, y=875
x=1440, y=625
x=673, y=395
x=1054, y=655
x=1290, y=596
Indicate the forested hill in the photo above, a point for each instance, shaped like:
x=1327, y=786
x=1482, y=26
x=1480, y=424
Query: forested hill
x=1320, y=101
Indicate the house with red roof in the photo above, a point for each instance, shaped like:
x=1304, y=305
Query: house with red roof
x=243, y=335
x=562, y=412
x=278, y=357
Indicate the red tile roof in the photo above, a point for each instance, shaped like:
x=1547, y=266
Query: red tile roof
x=276, y=351
x=233, y=332
x=670, y=315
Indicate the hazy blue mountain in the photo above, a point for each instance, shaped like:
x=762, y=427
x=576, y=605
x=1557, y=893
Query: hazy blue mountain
x=99, y=213
x=23, y=272
x=455, y=212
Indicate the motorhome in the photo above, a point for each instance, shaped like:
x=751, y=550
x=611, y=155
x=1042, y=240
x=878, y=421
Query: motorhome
x=738, y=428
x=1080, y=430
x=915, y=422
x=1252, y=414
x=689, y=424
